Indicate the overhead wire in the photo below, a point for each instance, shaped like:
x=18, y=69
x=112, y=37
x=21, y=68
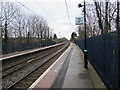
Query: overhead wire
x=33, y=11
x=27, y=8
x=45, y=11
x=68, y=15
x=47, y=14
x=67, y=11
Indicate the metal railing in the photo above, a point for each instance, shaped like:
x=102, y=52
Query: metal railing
x=11, y=47
x=103, y=55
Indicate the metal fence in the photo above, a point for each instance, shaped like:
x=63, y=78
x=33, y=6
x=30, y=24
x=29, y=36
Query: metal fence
x=103, y=55
x=11, y=47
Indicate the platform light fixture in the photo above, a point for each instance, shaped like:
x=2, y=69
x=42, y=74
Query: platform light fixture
x=85, y=49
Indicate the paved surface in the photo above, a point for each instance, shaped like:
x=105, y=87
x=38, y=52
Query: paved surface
x=58, y=83
x=68, y=72
x=76, y=76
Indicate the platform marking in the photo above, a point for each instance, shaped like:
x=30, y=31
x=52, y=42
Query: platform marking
x=58, y=67
x=45, y=73
x=58, y=82
x=27, y=52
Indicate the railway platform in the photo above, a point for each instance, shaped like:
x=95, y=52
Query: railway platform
x=68, y=72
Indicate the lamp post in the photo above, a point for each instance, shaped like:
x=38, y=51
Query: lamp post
x=85, y=49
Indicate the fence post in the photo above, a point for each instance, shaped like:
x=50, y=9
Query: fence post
x=118, y=60
x=0, y=52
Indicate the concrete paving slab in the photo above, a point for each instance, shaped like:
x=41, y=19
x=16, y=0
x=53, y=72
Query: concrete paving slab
x=76, y=76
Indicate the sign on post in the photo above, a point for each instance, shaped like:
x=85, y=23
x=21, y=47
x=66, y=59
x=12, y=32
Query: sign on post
x=78, y=20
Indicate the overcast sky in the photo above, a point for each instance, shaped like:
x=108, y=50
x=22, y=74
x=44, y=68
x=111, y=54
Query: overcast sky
x=55, y=13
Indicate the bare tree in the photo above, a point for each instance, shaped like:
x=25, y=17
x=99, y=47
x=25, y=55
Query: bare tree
x=20, y=28
x=105, y=13
x=8, y=14
x=101, y=17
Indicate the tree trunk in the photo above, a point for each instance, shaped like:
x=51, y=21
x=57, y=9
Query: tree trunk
x=6, y=38
x=98, y=10
x=106, y=28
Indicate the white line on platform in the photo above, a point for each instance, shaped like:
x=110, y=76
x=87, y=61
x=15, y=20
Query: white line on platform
x=31, y=51
x=45, y=73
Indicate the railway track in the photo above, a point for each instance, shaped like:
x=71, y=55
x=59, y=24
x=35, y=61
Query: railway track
x=22, y=72
x=18, y=63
